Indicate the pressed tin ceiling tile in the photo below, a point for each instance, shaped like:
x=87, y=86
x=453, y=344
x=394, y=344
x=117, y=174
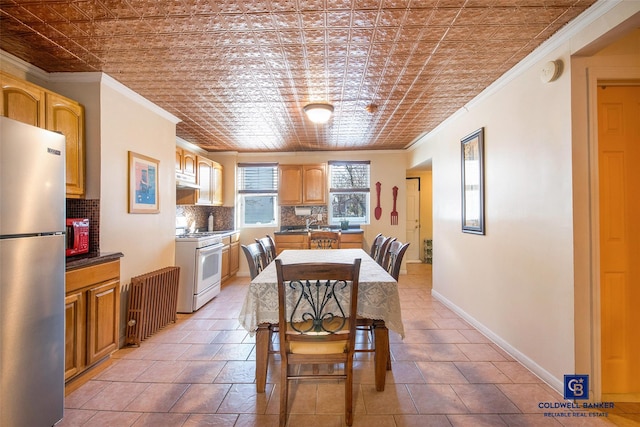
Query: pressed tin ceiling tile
x=238, y=73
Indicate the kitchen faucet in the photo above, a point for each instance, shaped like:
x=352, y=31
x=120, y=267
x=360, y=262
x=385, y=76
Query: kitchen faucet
x=310, y=221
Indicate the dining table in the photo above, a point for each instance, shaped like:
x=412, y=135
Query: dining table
x=378, y=300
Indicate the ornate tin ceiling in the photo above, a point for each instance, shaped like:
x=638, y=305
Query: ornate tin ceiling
x=238, y=73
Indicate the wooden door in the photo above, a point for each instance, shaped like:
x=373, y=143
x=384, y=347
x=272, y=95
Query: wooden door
x=204, y=171
x=216, y=184
x=619, y=184
x=75, y=316
x=67, y=116
x=314, y=181
x=22, y=101
x=290, y=185
x=103, y=320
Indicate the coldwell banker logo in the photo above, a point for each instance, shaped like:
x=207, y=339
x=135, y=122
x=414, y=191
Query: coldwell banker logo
x=576, y=387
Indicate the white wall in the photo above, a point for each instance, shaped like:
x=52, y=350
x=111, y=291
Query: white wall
x=515, y=283
x=147, y=240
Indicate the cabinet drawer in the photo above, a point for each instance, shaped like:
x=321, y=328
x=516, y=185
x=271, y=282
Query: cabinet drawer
x=82, y=277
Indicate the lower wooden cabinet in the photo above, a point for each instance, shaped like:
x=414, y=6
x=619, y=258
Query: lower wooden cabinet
x=230, y=256
x=300, y=241
x=92, y=316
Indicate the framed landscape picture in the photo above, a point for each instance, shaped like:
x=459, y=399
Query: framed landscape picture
x=143, y=184
x=472, y=147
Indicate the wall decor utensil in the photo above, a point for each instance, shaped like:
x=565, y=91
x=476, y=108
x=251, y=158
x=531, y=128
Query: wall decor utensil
x=378, y=210
x=394, y=212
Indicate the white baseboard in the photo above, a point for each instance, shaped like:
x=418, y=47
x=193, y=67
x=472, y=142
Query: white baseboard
x=555, y=383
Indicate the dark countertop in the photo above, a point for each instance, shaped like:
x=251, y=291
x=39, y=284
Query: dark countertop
x=81, y=261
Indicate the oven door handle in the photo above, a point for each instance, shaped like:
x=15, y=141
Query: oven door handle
x=209, y=249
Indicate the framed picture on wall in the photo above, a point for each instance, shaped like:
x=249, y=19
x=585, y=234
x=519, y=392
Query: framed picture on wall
x=472, y=147
x=143, y=184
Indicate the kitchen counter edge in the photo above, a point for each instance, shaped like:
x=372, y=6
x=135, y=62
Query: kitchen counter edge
x=88, y=261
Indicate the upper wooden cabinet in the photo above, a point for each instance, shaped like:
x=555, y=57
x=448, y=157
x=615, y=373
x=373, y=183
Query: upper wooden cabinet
x=186, y=163
x=31, y=104
x=67, y=116
x=302, y=184
x=201, y=171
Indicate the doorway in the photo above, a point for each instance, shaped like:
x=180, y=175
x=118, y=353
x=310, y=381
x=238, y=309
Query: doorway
x=413, y=219
x=618, y=107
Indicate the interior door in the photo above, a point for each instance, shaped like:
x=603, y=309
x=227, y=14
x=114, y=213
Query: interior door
x=619, y=193
x=413, y=219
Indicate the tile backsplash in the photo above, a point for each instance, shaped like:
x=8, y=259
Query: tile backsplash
x=223, y=217
x=87, y=208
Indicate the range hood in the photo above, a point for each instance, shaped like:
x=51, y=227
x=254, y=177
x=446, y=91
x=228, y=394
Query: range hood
x=186, y=181
x=186, y=184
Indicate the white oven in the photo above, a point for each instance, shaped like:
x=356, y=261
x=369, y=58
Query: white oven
x=199, y=257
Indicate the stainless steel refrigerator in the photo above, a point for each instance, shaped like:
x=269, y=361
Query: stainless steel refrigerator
x=32, y=267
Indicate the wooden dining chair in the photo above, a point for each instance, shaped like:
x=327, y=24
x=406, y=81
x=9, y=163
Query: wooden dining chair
x=324, y=239
x=393, y=258
x=269, y=248
x=379, y=247
x=255, y=258
x=317, y=308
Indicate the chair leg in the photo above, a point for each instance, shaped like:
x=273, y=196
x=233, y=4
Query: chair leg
x=284, y=392
x=348, y=393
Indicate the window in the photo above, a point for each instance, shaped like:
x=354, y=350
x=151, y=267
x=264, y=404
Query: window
x=349, y=192
x=257, y=194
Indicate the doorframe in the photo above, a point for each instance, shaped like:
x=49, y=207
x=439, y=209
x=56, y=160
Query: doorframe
x=629, y=75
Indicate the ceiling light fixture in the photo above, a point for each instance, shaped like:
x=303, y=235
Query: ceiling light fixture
x=318, y=113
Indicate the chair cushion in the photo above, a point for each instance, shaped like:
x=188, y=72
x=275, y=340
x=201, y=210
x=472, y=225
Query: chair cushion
x=320, y=346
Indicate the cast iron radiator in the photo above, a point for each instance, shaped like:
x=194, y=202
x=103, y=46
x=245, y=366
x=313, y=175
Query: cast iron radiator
x=153, y=299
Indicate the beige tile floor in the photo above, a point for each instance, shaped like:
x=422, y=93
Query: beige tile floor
x=200, y=371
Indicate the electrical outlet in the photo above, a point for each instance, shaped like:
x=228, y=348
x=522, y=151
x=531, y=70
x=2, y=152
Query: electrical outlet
x=319, y=217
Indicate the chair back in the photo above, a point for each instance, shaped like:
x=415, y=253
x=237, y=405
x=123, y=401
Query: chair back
x=268, y=247
x=379, y=247
x=316, y=302
x=393, y=258
x=255, y=258
x=324, y=239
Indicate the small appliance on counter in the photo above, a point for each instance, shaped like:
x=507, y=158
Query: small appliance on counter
x=77, y=236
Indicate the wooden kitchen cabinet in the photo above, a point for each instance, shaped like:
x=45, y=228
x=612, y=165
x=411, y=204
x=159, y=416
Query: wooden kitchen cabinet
x=302, y=184
x=31, y=104
x=290, y=241
x=67, y=116
x=230, y=256
x=209, y=178
x=75, y=314
x=92, y=316
x=300, y=241
x=351, y=240
x=186, y=163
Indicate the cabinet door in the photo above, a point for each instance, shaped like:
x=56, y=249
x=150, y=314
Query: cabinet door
x=103, y=320
x=67, y=116
x=234, y=258
x=226, y=268
x=179, y=159
x=74, y=334
x=216, y=184
x=189, y=163
x=204, y=179
x=314, y=180
x=22, y=101
x=290, y=185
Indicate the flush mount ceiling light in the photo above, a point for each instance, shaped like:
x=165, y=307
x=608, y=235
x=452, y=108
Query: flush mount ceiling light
x=318, y=113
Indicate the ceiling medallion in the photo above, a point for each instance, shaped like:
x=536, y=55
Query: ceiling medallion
x=318, y=113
